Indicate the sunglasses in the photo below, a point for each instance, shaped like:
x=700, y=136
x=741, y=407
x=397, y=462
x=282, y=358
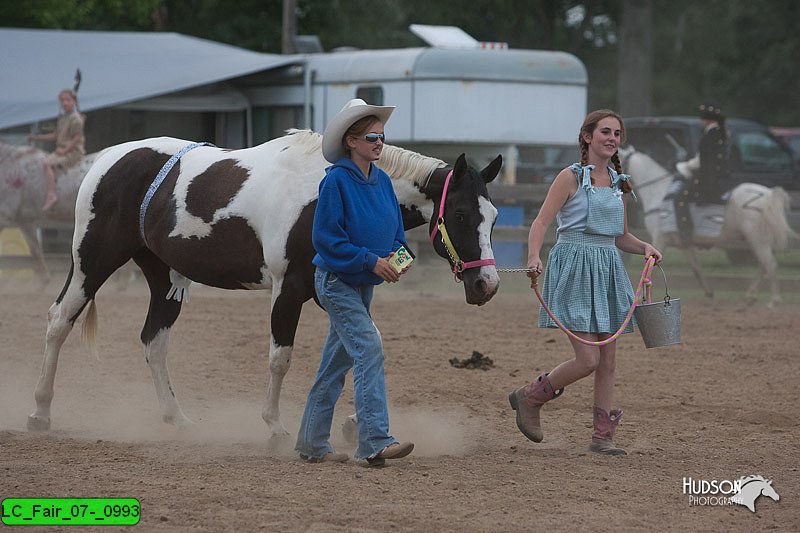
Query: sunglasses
x=373, y=137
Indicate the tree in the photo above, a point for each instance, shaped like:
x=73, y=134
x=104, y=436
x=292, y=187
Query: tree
x=634, y=69
x=741, y=53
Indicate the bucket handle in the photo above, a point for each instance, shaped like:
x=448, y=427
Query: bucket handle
x=666, y=288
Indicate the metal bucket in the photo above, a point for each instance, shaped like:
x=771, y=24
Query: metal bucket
x=660, y=322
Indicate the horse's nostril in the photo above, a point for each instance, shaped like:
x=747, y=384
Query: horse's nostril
x=480, y=285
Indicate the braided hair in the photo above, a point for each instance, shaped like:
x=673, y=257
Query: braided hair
x=588, y=127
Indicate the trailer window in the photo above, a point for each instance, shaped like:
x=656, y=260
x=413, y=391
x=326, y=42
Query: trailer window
x=273, y=121
x=371, y=95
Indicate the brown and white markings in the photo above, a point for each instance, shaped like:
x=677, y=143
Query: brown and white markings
x=237, y=219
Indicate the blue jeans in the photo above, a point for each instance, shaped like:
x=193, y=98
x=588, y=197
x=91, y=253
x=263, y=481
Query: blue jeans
x=353, y=342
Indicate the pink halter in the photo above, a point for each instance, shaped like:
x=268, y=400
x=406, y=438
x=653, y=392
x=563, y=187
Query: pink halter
x=459, y=266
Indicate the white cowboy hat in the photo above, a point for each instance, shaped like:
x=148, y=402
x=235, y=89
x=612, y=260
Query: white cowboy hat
x=352, y=111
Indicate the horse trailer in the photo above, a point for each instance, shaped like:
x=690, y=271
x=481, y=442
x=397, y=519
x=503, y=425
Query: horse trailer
x=525, y=104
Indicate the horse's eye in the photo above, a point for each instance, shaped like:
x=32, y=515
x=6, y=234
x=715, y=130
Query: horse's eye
x=460, y=217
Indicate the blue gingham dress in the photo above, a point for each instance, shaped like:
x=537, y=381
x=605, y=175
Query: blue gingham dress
x=586, y=285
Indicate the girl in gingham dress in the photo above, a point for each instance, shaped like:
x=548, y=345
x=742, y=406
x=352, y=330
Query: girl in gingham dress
x=585, y=284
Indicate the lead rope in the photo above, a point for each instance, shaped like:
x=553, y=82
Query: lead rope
x=643, y=289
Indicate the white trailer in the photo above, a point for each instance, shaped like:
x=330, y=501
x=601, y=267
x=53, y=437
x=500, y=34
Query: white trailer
x=526, y=104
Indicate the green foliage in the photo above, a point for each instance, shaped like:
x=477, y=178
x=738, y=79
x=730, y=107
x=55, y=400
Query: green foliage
x=79, y=14
x=252, y=24
x=741, y=53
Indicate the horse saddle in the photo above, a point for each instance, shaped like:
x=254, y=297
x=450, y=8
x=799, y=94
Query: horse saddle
x=694, y=223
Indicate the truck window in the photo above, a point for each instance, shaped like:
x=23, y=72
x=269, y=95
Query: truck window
x=659, y=143
x=754, y=150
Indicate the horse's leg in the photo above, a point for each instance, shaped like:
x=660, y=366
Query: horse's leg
x=288, y=296
x=35, y=246
x=694, y=264
x=350, y=429
x=161, y=315
x=78, y=290
x=60, y=319
x=123, y=276
x=768, y=267
x=751, y=296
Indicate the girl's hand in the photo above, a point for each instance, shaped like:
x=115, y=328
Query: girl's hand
x=652, y=251
x=386, y=271
x=535, y=269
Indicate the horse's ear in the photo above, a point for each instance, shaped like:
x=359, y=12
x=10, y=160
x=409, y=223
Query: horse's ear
x=490, y=172
x=460, y=167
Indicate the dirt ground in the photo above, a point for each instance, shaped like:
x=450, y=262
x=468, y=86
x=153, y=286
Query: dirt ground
x=721, y=405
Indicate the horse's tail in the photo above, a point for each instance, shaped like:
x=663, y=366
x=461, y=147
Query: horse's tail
x=775, y=219
x=89, y=329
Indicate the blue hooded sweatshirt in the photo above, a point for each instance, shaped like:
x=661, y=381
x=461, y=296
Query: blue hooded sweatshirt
x=357, y=220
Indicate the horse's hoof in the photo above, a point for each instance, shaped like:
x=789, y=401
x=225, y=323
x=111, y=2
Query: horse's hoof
x=36, y=423
x=350, y=431
x=179, y=420
x=280, y=442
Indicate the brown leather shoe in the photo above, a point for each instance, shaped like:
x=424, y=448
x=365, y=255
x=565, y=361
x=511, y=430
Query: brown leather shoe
x=329, y=457
x=393, y=451
x=396, y=450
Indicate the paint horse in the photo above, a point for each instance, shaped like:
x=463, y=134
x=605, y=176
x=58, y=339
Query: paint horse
x=754, y=214
x=22, y=192
x=241, y=219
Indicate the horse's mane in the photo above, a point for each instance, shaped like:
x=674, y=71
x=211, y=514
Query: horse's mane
x=757, y=477
x=398, y=163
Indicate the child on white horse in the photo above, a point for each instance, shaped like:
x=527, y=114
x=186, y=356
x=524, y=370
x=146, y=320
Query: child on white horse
x=69, y=143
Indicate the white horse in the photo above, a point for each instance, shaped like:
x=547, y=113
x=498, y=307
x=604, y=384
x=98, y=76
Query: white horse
x=22, y=190
x=754, y=214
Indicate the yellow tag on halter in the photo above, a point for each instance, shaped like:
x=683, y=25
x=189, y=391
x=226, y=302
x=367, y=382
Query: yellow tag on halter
x=448, y=244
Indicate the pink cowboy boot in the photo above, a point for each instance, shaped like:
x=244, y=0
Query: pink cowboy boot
x=527, y=401
x=605, y=425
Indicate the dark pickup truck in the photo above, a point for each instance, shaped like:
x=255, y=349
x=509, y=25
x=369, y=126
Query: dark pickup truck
x=755, y=154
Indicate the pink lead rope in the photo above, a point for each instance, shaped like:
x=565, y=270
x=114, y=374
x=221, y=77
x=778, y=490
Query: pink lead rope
x=642, y=290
